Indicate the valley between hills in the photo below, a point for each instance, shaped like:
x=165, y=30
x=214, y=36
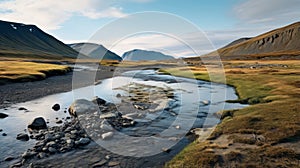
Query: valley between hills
x=264, y=71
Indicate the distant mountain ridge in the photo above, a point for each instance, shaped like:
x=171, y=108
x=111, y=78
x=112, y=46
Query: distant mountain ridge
x=240, y=40
x=21, y=40
x=139, y=55
x=276, y=43
x=95, y=51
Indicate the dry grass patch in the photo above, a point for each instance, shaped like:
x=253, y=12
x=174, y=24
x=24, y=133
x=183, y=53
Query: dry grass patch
x=274, y=116
x=16, y=71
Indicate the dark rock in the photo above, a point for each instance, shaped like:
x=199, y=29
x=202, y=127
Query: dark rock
x=3, y=115
x=59, y=122
x=38, y=123
x=49, y=137
x=22, y=137
x=42, y=155
x=167, y=150
x=56, y=107
x=52, y=150
x=118, y=95
x=9, y=158
x=4, y=134
x=51, y=144
x=22, y=108
x=98, y=101
x=1, y=130
x=83, y=141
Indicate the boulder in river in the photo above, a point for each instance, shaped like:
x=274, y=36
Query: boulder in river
x=38, y=123
x=56, y=107
x=22, y=137
x=3, y=115
x=98, y=100
x=82, y=106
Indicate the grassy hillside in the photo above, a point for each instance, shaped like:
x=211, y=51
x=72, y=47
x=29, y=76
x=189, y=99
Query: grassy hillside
x=273, y=89
x=20, y=40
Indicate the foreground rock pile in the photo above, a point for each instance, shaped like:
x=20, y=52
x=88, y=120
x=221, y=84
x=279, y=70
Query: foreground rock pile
x=57, y=139
x=90, y=120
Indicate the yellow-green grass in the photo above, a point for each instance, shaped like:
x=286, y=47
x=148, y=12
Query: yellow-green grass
x=18, y=71
x=274, y=115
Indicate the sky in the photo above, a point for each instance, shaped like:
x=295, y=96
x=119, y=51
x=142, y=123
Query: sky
x=218, y=22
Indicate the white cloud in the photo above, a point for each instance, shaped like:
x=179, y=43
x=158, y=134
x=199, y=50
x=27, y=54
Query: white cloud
x=268, y=12
x=49, y=14
x=171, y=46
x=163, y=43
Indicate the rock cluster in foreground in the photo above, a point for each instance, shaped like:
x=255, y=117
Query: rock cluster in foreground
x=87, y=121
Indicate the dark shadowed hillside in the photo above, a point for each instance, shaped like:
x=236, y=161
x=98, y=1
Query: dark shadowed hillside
x=95, y=51
x=20, y=40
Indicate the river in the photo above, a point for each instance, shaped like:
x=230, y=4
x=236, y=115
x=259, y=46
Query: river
x=193, y=104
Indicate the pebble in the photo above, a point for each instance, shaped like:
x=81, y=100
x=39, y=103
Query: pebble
x=167, y=150
x=99, y=164
x=4, y=134
x=113, y=163
x=28, y=154
x=205, y=102
x=107, y=135
x=70, y=141
x=59, y=122
x=22, y=137
x=22, y=108
x=107, y=157
x=52, y=150
x=56, y=107
x=51, y=144
x=42, y=155
x=84, y=141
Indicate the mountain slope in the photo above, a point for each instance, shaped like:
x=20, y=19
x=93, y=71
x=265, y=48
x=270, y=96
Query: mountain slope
x=20, y=40
x=276, y=43
x=237, y=41
x=138, y=55
x=95, y=51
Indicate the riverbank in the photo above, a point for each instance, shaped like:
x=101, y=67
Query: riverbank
x=265, y=134
x=13, y=93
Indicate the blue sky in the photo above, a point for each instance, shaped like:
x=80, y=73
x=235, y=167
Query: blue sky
x=222, y=20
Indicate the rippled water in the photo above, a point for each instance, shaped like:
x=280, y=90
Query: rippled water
x=188, y=95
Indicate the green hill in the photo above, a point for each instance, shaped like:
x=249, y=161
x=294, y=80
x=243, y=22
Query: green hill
x=28, y=41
